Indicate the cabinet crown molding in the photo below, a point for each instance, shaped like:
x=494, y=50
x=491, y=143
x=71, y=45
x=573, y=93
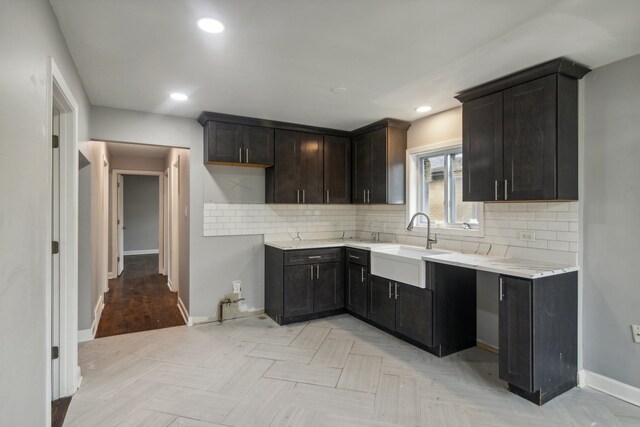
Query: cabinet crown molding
x=563, y=66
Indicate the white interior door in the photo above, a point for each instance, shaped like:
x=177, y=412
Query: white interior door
x=55, y=258
x=120, y=223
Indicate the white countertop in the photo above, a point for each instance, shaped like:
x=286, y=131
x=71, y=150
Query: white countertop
x=524, y=268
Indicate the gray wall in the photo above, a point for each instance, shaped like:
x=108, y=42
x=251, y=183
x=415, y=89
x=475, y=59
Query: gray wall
x=29, y=33
x=85, y=298
x=487, y=285
x=214, y=262
x=611, y=230
x=141, y=212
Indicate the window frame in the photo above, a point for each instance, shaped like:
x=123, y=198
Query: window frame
x=415, y=194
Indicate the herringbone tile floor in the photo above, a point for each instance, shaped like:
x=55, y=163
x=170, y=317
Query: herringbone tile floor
x=332, y=372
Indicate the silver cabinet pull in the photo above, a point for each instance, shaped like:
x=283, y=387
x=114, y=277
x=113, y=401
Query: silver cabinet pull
x=314, y=257
x=303, y=196
x=327, y=196
x=297, y=196
x=364, y=196
x=311, y=271
x=500, y=291
x=240, y=155
x=368, y=196
x=506, y=187
x=246, y=155
x=390, y=284
x=354, y=257
x=496, y=190
x=317, y=271
x=396, y=290
x=362, y=274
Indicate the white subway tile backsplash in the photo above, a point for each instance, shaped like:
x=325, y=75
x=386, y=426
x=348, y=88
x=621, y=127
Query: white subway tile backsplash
x=555, y=224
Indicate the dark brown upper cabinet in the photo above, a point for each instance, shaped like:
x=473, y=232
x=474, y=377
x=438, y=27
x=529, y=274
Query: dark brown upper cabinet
x=379, y=162
x=337, y=169
x=520, y=135
x=297, y=176
x=237, y=144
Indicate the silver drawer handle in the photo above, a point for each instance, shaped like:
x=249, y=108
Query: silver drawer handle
x=246, y=152
x=354, y=257
x=501, y=294
x=240, y=155
x=506, y=189
x=315, y=257
x=496, y=190
x=327, y=196
x=297, y=195
x=362, y=274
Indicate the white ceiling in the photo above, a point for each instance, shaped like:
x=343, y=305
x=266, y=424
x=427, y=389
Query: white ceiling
x=278, y=59
x=119, y=149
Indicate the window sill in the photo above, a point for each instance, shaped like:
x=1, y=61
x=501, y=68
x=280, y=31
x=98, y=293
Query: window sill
x=452, y=231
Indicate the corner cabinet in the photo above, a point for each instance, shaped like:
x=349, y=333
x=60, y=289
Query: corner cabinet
x=538, y=332
x=379, y=162
x=303, y=284
x=520, y=135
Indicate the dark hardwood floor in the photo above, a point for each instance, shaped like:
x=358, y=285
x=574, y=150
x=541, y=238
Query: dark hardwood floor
x=59, y=411
x=139, y=300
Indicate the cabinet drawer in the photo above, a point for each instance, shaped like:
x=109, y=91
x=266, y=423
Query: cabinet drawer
x=358, y=256
x=312, y=256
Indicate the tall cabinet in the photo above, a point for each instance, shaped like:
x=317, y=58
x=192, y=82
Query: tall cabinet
x=520, y=135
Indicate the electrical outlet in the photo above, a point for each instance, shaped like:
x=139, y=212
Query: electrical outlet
x=636, y=333
x=236, y=286
x=528, y=236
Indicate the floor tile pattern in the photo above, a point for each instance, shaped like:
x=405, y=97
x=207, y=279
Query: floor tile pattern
x=333, y=372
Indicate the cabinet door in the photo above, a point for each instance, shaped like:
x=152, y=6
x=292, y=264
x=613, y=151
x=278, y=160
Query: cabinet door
x=515, y=332
x=379, y=166
x=258, y=145
x=328, y=287
x=337, y=169
x=482, y=149
x=224, y=142
x=382, y=304
x=298, y=290
x=357, y=287
x=530, y=140
x=362, y=167
x=414, y=313
x=287, y=167
x=311, y=168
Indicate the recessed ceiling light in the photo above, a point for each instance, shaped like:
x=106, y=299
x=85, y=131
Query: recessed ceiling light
x=211, y=25
x=338, y=90
x=423, y=109
x=179, y=96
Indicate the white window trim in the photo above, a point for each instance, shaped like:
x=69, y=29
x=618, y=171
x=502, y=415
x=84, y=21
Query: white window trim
x=413, y=154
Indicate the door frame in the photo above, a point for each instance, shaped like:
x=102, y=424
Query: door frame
x=114, y=216
x=69, y=371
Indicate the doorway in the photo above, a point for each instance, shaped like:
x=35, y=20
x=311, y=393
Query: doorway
x=63, y=373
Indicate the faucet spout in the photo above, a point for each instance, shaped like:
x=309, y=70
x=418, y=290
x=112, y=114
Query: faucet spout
x=430, y=241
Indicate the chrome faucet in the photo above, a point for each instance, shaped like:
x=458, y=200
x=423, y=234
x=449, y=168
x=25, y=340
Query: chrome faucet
x=430, y=241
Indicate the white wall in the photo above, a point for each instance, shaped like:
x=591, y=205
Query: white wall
x=85, y=273
x=141, y=212
x=29, y=33
x=611, y=204
x=213, y=262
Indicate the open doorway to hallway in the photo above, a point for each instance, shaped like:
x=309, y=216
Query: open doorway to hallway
x=144, y=238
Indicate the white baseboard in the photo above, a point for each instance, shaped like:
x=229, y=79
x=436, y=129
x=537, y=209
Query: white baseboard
x=111, y=275
x=184, y=312
x=208, y=319
x=488, y=347
x=89, y=334
x=612, y=387
x=582, y=383
x=142, y=252
x=78, y=377
x=170, y=285
x=85, y=335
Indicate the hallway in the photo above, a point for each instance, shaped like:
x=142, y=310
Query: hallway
x=139, y=300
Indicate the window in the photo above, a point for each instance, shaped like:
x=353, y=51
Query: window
x=436, y=182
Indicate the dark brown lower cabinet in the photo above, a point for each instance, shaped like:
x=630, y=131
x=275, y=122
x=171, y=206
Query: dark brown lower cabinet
x=414, y=313
x=538, y=335
x=357, y=287
x=382, y=303
x=303, y=284
x=328, y=287
x=298, y=290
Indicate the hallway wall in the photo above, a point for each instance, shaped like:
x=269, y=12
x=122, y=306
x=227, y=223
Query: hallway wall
x=29, y=34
